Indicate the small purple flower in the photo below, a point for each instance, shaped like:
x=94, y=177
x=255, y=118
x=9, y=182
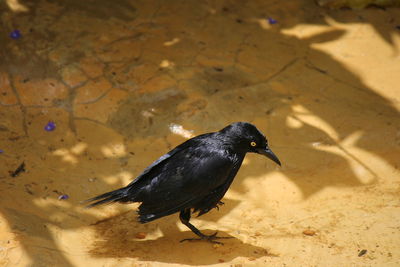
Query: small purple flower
x=50, y=126
x=1, y=151
x=272, y=21
x=63, y=197
x=15, y=34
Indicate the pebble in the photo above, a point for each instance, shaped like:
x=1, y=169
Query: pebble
x=362, y=253
x=216, y=245
x=309, y=232
x=141, y=235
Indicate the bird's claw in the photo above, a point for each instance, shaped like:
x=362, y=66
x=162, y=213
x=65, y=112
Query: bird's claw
x=220, y=203
x=209, y=238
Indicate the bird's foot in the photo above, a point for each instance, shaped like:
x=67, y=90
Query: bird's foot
x=209, y=238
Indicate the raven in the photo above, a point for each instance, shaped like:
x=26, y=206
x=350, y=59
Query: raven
x=193, y=177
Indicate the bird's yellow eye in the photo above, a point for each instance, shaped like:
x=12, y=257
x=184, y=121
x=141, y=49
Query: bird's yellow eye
x=253, y=144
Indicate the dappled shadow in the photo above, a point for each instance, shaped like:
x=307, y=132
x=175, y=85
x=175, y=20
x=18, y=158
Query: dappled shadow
x=237, y=71
x=116, y=239
x=373, y=16
x=30, y=202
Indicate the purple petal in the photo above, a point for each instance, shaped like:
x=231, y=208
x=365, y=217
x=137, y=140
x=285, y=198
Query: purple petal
x=50, y=126
x=15, y=34
x=63, y=197
x=272, y=21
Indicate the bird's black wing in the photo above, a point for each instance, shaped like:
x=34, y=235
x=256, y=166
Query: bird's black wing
x=183, y=180
x=212, y=200
x=157, y=164
x=134, y=191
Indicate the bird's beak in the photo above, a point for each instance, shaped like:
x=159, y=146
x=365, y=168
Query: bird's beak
x=269, y=154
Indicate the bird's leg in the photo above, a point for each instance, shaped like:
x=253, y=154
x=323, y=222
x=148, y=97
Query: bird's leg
x=185, y=217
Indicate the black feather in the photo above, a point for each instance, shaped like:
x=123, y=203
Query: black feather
x=118, y=195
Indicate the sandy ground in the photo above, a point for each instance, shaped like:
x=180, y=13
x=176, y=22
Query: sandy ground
x=125, y=81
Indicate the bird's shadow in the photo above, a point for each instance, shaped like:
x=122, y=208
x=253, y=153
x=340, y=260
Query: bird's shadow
x=122, y=236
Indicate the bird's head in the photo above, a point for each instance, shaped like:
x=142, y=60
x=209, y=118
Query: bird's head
x=246, y=137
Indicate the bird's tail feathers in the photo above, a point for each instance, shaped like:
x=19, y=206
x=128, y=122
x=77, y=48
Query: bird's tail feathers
x=119, y=195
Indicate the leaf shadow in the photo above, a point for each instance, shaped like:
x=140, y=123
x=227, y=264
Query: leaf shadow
x=116, y=239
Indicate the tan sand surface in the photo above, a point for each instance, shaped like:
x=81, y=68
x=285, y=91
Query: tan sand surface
x=125, y=81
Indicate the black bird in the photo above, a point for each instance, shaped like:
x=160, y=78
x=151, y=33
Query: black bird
x=193, y=177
